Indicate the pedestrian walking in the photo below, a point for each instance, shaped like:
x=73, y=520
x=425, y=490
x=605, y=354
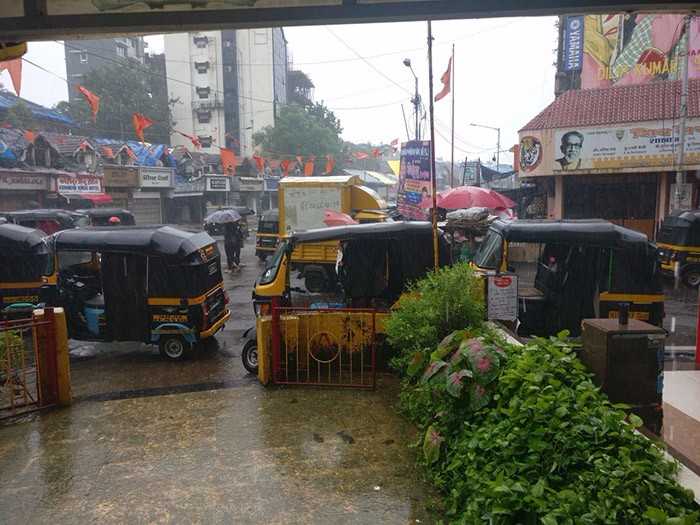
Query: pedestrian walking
x=233, y=241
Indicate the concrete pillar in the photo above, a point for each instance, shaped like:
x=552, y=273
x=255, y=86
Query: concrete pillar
x=555, y=203
x=62, y=358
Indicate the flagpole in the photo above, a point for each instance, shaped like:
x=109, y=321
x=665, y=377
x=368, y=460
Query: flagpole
x=452, y=88
x=433, y=177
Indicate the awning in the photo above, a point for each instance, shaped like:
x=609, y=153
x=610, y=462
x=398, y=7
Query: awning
x=95, y=198
x=190, y=194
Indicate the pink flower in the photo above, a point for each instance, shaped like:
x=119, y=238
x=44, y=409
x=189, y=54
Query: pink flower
x=483, y=364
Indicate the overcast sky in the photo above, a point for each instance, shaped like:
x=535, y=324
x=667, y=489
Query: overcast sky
x=504, y=76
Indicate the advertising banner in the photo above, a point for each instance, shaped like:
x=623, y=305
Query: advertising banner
x=502, y=297
x=79, y=185
x=414, y=179
x=573, y=43
x=121, y=176
x=640, y=145
x=304, y=208
x=624, y=49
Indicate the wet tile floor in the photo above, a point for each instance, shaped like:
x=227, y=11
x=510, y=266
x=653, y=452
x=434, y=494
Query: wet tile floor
x=243, y=454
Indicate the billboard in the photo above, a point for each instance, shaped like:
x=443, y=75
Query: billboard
x=573, y=43
x=625, y=49
x=414, y=179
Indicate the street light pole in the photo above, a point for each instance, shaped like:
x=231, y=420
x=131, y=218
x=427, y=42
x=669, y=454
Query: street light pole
x=498, y=144
x=416, y=97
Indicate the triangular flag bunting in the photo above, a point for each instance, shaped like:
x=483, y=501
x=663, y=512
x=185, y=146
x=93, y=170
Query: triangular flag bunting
x=228, y=160
x=92, y=100
x=140, y=122
x=446, y=82
x=14, y=67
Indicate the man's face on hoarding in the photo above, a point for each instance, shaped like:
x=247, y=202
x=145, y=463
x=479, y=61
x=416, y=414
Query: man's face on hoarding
x=571, y=147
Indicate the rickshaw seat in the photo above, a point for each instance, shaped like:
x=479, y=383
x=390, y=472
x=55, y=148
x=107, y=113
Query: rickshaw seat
x=530, y=293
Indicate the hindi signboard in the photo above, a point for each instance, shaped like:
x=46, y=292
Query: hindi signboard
x=414, y=179
x=502, y=297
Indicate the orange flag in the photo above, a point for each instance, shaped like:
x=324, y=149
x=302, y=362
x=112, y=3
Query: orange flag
x=376, y=152
x=194, y=140
x=92, y=100
x=259, y=163
x=330, y=163
x=309, y=168
x=14, y=67
x=285, y=166
x=446, y=82
x=228, y=160
x=29, y=136
x=140, y=122
x=360, y=155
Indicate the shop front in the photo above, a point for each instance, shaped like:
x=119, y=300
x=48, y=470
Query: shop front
x=120, y=182
x=186, y=203
x=622, y=171
x=21, y=190
x=148, y=201
x=217, y=191
x=78, y=192
x=251, y=192
x=270, y=187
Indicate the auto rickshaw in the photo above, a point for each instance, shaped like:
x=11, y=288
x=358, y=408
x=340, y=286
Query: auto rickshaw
x=570, y=270
x=267, y=236
x=157, y=285
x=26, y=267
x=102, y=216
x=679, y=246
x=47, y=220
x=302, y=337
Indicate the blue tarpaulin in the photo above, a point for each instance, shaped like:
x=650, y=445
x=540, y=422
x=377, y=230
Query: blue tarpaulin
x=8, y=100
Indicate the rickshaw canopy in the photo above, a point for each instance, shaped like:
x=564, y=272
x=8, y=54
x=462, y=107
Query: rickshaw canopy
x=15, y=238
x=63, y=217
x=587, y=232
x=369, y=231
x=125, y=216
x=153, y=241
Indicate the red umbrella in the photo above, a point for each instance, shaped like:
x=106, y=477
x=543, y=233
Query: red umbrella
x=335, y=218
x=470, y=197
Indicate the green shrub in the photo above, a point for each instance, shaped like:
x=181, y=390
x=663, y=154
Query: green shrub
x=11, y=341
x=443, y=301
x=542, y=445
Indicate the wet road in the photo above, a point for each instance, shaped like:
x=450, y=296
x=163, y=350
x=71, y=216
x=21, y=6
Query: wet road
x=150, y=441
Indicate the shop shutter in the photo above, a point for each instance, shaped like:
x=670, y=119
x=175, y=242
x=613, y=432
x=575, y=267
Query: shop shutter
x=146, y=209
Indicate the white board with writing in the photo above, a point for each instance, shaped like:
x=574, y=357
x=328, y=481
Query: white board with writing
x=304, y=207
x=502, y=297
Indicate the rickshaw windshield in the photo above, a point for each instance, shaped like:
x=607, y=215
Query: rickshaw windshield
x=674, y=231
x=268, y=226
x=24, y=267
x=489, y=254
x=190, y=278
x=273, y=265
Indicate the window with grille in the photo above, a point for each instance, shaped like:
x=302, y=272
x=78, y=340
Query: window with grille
x=200, y=41
x=203, y=116
x=201, y=67
x=203, y=92
x=205, y=141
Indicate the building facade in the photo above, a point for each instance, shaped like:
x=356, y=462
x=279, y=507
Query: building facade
x=612, y=154
x=228, y=85
x=83, y=56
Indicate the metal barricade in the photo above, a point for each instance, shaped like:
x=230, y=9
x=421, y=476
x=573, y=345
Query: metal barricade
x=28, y=368
x=324, y=347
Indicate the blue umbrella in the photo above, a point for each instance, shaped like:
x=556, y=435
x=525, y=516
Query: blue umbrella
x=223, y=216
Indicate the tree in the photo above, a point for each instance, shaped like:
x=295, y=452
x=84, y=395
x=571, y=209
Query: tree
x=123, y=90
x=20, y=116
x=299, y=88
x=302, y=130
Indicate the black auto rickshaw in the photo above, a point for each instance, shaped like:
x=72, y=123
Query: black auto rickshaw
x=157, y=285
x=47, y=220
x=375, y=264
x=26, y=267
x=267, y=236
x=570, y=270
x=104, y=216
x=679, y=246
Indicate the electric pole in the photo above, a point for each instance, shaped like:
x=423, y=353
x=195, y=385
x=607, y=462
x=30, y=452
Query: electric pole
x=680, y=173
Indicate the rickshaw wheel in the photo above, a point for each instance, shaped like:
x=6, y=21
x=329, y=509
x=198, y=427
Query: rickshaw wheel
x=173, y=347
x=692, y=278
x=249, y=355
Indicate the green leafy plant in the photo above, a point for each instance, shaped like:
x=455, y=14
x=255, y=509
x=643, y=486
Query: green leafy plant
x=433, y=307
x=521, y=435
x=11, y=347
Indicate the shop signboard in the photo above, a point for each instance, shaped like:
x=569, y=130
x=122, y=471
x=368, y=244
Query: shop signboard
x=151, y=177
x=304, y=207
x=120, y=176
x=414, y=179
x=502, y=297
x=23, y=181
x=251, y=184
x=217, y=183
x=80, y=184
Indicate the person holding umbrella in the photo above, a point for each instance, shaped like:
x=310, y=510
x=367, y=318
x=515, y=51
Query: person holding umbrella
x=233, y=241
